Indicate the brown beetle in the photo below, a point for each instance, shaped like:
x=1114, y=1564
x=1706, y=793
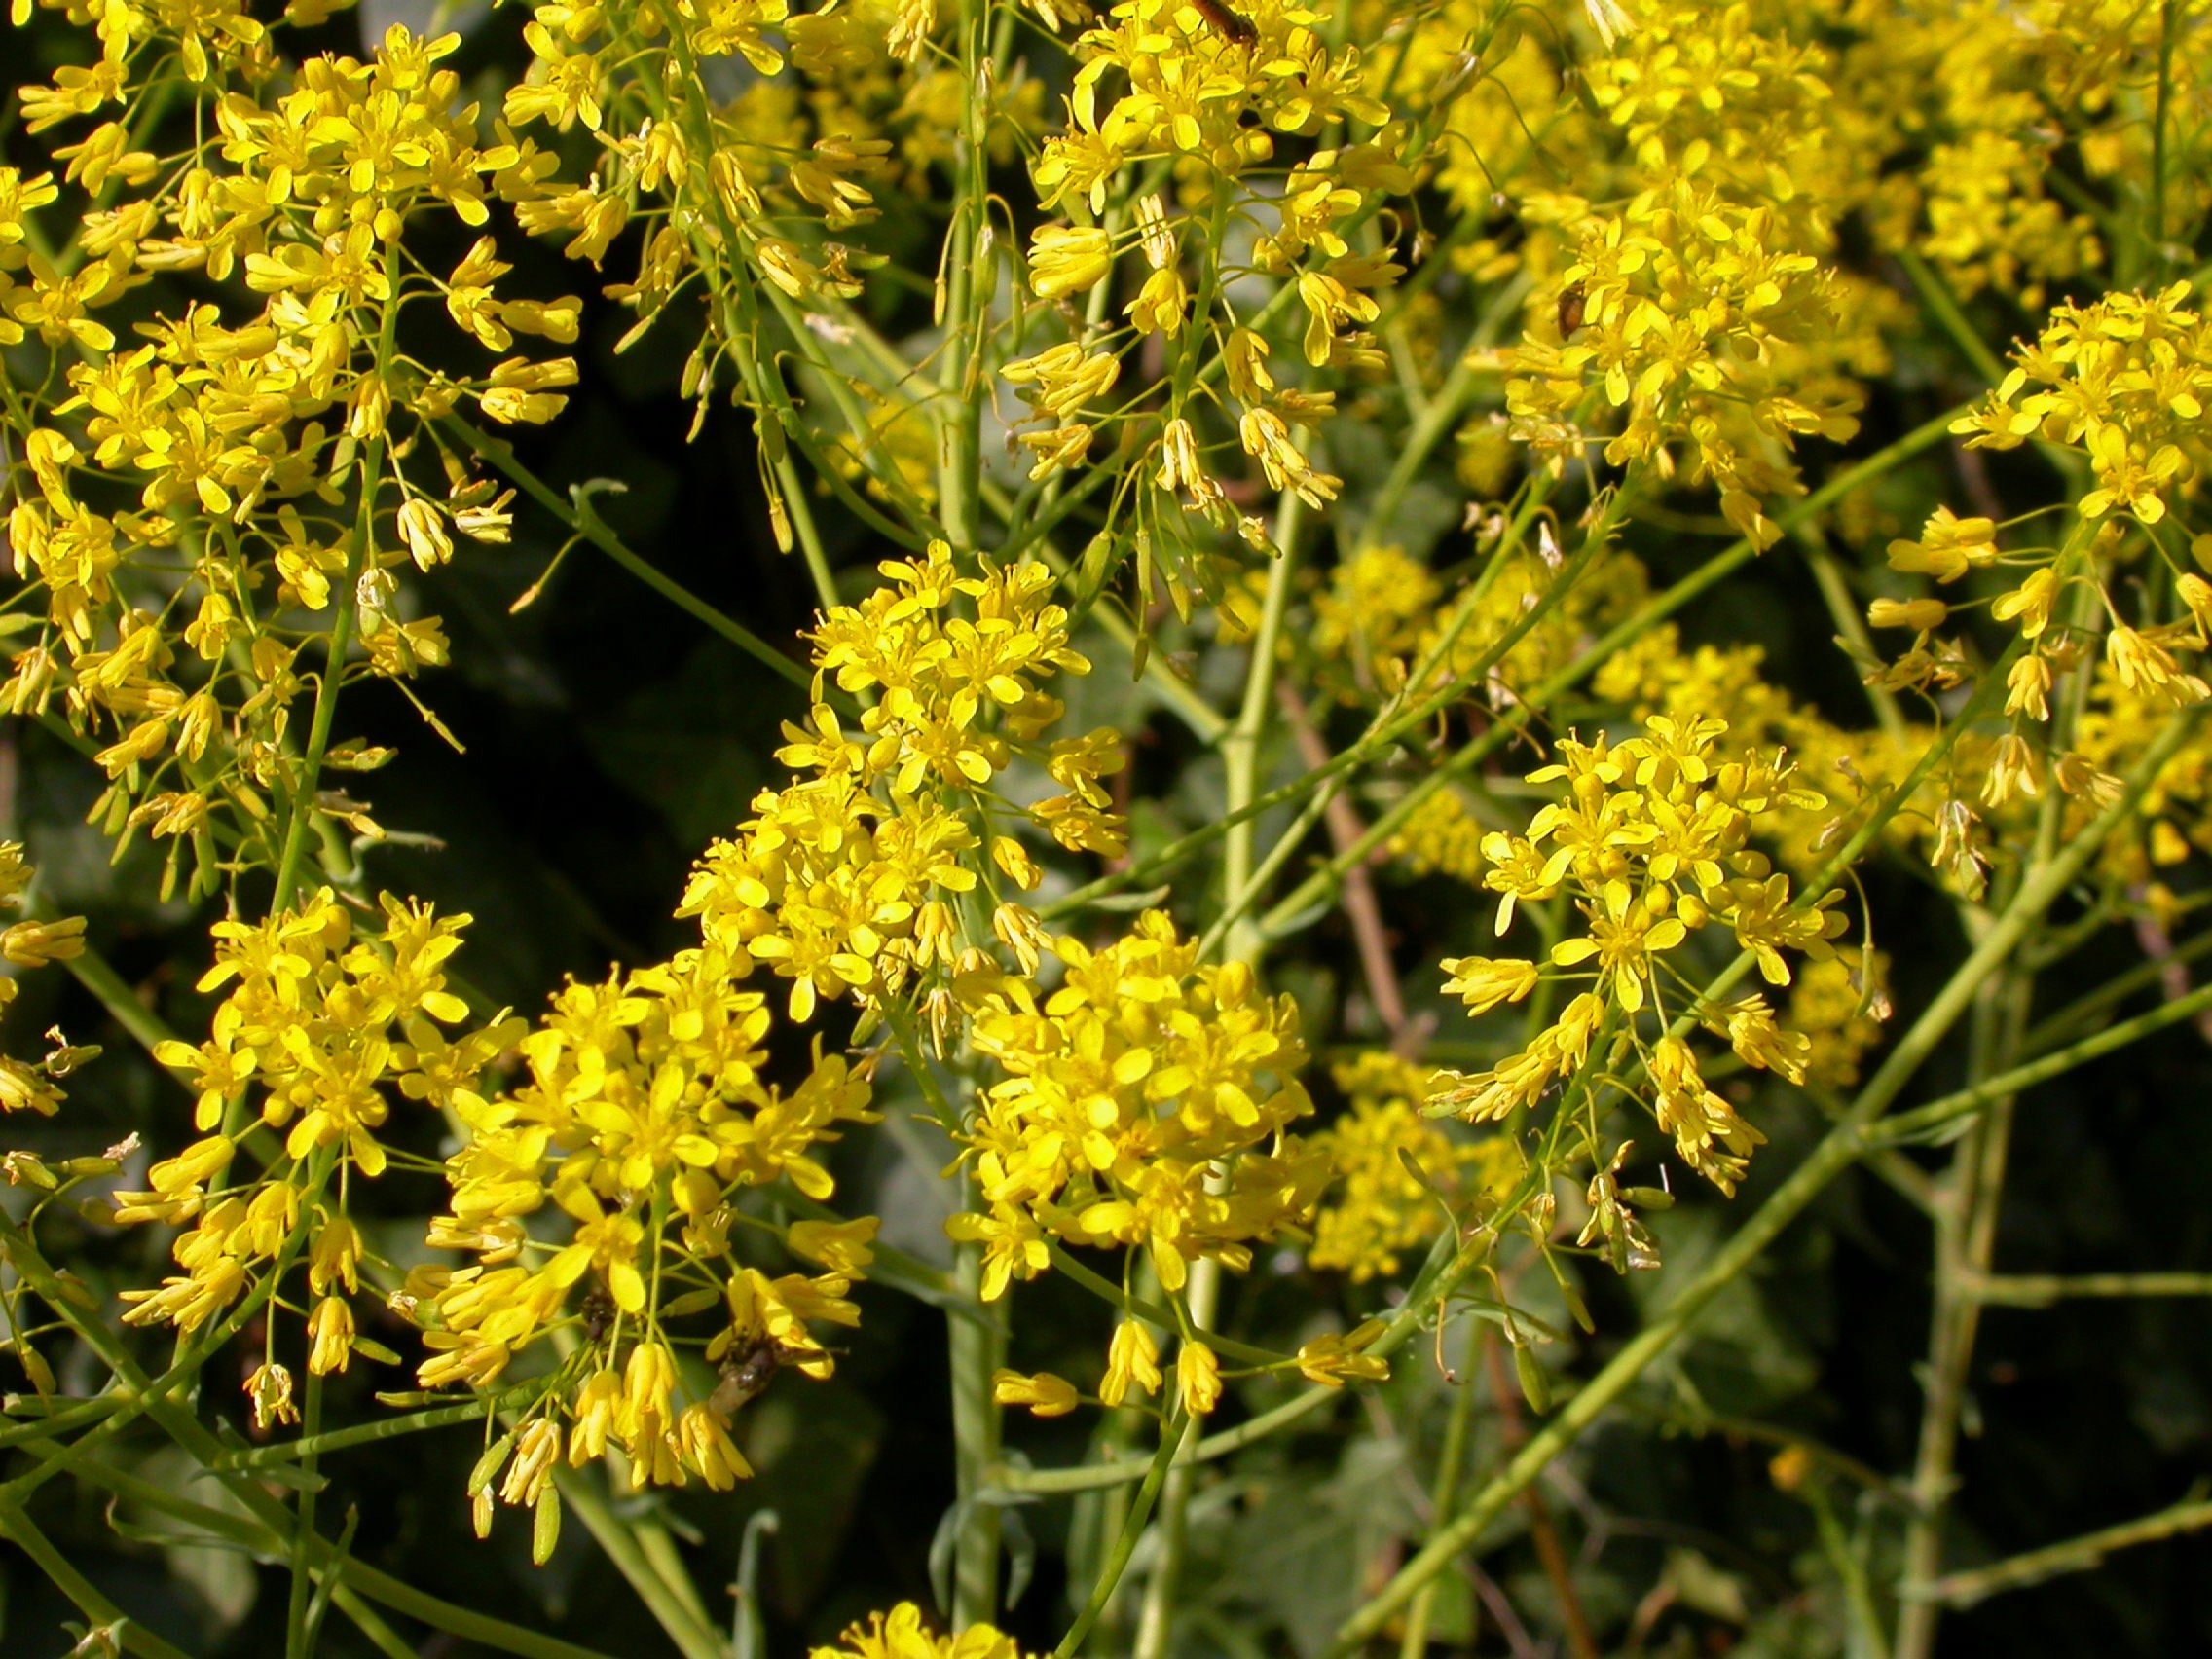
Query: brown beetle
x=1571, y=300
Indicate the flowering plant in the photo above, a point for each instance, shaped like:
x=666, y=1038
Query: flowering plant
x=1240, y=510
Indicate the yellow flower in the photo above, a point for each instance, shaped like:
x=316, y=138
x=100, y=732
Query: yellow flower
x=1198, y=1378
x=270, y=1388
x=1341, y=1358
x=1044, y=1394
x=843, y=1247
x=1066, y=259
x=1132, y=1360
x=1141, y=1108
x=330, y=1330
x=1483, y=983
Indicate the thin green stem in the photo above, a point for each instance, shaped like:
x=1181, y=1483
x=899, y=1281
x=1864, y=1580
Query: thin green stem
x=278, y=1451
x=1851, y=626
x=2042, y=1290
x=1935, y=295
x=1126, y=1542
x=1865, y=1638
x=93, y=971
x=296, y=1628
x=1443, y=1274
x=2155, y=226
x=1938, y=1115
x=1240, y=748
x=1959, y=1590
x=17, y=1529
x=360, y=557
x=1969, y=1198
x=263, y=1530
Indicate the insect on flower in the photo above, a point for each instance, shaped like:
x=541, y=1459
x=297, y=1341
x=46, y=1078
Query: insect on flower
x=746, y=1376
x=597, y=1313
x=1571, y=300
x=1230, y=25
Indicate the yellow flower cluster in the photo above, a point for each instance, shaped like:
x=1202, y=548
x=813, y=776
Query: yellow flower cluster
x=742, y=146
x=647, y=1115
x=1672, y=313
x=1384, y=614
x=1395, y=1171
x=643, y=1118
x=2123, y=380
x=1968, y=108
x=198, y=505
x=326, y=1020
x=1658, y=675
x=1442, y=837
x=1214, y=91
x=1837, y=1004
x=1650, y=847
x=2121, y=383
x=850, y=880
x=1145, y=1106
x=2121, y=722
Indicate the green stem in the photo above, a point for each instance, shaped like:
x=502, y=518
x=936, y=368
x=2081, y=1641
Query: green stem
x=1444, y=1272
x=1865, y=1639
x=2084, y=1009
x=1969, y=1195
x=2041, y=1290
x=1843, y=610
x=2077, y=1555
x=977, y=1349
x=2155, y=235
x=967, y=291
x=1138, y=1307
x=1924, y=1120
x=268, y=1526
x=93, y=971
x=1383, y=732
x=1240, y=748
x=16, y=1528
x=296, y=1632
x=360, y=559
x=1096, y=1477
x=260, y=1532
x=360, y=1434
x=1179, y=696
x=1126, y=1542
x=1935, y=295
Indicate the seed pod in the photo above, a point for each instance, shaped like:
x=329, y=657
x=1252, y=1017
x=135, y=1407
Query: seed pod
x=544, y=1524
x=489, y=1465
x=1535, y=1387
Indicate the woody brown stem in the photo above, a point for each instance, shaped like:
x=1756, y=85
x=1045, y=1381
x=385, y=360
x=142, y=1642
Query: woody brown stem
x=1357, y=897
